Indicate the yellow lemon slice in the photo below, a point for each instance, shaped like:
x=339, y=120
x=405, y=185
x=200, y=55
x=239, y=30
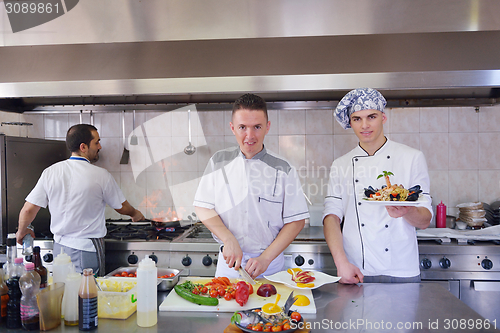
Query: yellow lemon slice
x=305, y=285
x=302, y=300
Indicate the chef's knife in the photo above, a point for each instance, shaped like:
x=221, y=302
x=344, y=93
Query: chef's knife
x=246, y=276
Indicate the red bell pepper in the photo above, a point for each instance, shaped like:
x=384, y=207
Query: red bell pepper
x=242, y=293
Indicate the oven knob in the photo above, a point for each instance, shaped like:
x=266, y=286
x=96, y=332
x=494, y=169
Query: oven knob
x=487, y=264
x=132, y=259
x=215, y=261
x=154, y=258
x=186, y=261
x=48, y=257
x=310, y=262
x=426, y=263
x=444, y=263
x=28, y=258
x=207, y=261
x=299, y=260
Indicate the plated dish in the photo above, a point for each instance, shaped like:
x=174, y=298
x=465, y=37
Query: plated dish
x=286, y=278
x=421, y=199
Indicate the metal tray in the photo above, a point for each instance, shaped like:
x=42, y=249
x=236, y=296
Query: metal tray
x=164, y=284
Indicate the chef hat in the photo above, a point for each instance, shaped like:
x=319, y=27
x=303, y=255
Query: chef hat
x=357, y=100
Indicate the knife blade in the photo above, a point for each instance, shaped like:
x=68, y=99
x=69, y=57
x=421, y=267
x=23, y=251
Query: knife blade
x=246, y=276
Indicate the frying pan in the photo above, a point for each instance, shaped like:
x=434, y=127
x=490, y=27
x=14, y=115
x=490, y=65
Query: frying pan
x=159, y=224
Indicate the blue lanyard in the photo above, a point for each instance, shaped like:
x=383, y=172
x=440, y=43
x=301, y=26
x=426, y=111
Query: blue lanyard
x=79, y=158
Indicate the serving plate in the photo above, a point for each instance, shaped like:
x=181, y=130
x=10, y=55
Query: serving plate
x=421, y=200
x=286, y=278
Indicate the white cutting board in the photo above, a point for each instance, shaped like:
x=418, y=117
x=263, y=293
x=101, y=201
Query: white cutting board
x=174, y=302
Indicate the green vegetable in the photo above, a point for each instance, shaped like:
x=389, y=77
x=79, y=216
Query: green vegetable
x=185, y=291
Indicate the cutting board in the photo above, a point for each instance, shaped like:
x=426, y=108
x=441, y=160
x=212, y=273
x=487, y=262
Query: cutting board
x=174, y=302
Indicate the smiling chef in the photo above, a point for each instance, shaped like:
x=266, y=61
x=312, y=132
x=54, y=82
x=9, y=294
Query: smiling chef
x=377, y=243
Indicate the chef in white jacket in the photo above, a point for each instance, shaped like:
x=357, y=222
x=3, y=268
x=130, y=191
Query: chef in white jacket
x=376, y=243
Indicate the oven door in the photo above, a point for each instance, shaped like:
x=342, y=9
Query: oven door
x=482, y=296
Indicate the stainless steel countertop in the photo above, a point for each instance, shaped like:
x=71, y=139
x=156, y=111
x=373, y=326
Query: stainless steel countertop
x=364, y=307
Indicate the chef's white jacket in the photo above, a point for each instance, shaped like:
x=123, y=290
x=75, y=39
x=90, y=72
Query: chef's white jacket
x=254, y=197
x=373, y=241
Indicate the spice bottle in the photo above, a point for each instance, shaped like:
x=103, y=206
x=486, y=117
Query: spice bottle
x=147, y=315
x=30, y=286
x=441, y=215
x=39, y=268
x=87, y=302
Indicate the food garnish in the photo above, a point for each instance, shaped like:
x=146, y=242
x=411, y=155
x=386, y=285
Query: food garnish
x=392, y=192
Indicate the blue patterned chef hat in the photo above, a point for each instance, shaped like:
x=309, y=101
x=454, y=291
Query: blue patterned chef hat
x=357, y=100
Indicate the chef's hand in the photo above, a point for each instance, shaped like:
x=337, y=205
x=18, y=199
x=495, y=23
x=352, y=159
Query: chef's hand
x=231, y=251
x=23, y=232
x=257, y=266
x=137, y=217
x=349, y=274
x=399, y=211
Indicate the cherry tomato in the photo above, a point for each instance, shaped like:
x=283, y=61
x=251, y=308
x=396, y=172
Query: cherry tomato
x=204, y=290
x=227, y=296
x=213, y=293
x=257, y=327
x=277, y=328
x=295, y=316
x=131, y=275
x=117, y=274
x=286, y=326
x=124, y=274
x=196, y=291
x=221, y=291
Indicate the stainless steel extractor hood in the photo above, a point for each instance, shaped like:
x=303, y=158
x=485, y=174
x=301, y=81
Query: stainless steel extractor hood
x=151, y=54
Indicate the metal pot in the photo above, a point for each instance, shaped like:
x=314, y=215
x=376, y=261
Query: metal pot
x=164, y=284
x=161, y=224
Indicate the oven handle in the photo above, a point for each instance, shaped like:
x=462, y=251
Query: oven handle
x=486, y=285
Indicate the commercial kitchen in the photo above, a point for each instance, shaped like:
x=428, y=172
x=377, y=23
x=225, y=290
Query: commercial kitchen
x=156, y=77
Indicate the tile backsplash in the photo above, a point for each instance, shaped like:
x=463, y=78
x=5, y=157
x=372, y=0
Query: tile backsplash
x=460, y=145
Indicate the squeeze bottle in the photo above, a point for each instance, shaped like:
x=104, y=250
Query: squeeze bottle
x=70, y=302
x=60, y=269
x=30, y=286
x=147, y=315
x=441, y=215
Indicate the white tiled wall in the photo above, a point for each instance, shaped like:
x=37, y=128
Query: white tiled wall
x=461, y=147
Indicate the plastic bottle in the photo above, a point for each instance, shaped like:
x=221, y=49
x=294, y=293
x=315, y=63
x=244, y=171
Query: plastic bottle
x=61, y=267
x=14, y=304
x=4, y=297
x=39, y=268
x=11, y=255
x=441, y=215
x=147, y=314
x=30, y=286
x=87, y=302
x=28, y=243
x=70, y=298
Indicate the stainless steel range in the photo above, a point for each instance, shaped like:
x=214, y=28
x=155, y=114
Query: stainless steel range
x=195, y=251
x=470, y=270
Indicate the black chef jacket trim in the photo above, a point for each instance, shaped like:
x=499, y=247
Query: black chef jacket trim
x=286, y=217
x=359, y=144
x=204, y=202
x=261, y=198
x=357, y=214
x=331, y=196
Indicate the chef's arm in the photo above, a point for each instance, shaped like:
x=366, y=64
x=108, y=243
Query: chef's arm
x=232, y=251
x=127, y=209
x=26, y=216
x=258, y=265
x=348, y=272
x=419, y=217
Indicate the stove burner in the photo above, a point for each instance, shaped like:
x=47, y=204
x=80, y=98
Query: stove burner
x=140, y=231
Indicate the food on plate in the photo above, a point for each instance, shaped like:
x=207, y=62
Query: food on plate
x=221, y=287
x=166, y=276
x=266, y=290
x=134, y=274
x=302, y=300
x=185, y=290
x=392, y=192
x=303, y=276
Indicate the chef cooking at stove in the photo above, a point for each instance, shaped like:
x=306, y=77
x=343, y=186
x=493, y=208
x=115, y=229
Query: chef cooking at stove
x=77, y=193
x=250, y=198
x=378, y=243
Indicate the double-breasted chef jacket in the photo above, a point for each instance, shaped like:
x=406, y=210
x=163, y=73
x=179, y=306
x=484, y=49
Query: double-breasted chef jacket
x=254, y=198
x=373, y=241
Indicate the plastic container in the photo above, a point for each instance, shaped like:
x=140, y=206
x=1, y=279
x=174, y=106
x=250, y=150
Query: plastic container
x=14, y=303
x=70, y=298
x=117, y=298
x=147, y=314
x=49, y=305
x=87, y=302
x=28, y=242
x=61, y=267
x=39, y=268
x=441, y=215
x=30, y=286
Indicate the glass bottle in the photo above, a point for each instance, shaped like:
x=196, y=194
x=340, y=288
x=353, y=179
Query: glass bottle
x=87, y=302
x=30, y=286
x=11, y=255
x=39, y=268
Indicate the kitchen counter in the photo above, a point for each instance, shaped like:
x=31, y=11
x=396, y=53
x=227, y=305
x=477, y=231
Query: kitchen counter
x=419, y=307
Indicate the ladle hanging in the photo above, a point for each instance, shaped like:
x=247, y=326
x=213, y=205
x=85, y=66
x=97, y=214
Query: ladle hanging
x=190, y=149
